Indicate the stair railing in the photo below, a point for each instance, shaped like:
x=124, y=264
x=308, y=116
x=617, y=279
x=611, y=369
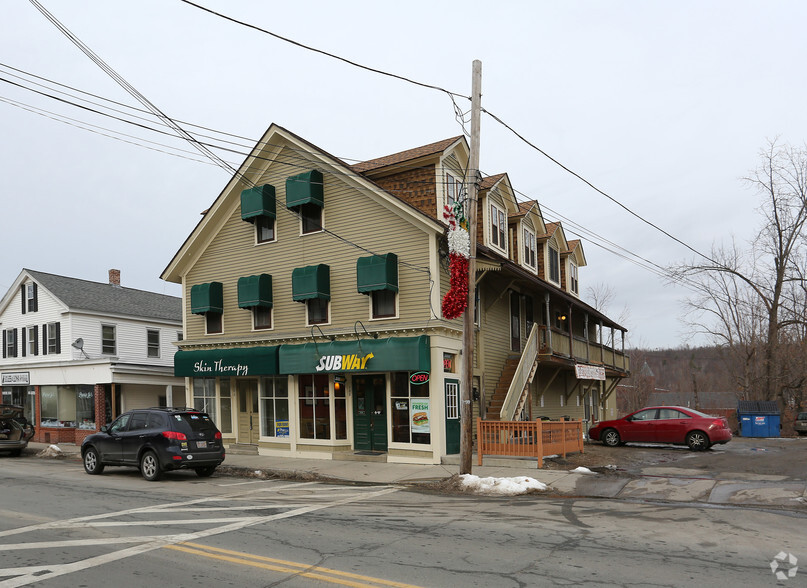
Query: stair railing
x=525, y=371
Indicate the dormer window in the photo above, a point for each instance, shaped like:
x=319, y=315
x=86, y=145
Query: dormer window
x=529, y=248
x=453, y=189
x=574, y=285
x=498, y=226
x=554, y=265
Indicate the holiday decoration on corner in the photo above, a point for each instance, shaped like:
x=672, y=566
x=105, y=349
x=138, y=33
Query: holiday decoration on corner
x=459, y=249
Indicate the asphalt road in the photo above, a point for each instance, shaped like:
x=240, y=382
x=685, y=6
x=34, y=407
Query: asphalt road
x=60, y=527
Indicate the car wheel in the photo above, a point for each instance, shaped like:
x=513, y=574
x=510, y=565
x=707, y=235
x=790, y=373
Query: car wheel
x=92, y=463
x=150, y=466
x=205, y=472
x=611, y=438
x=697, y=441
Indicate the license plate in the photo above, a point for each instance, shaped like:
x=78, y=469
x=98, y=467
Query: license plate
x=201, y=444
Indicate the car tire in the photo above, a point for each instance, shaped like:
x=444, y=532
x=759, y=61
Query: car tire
x=92, y=462
x=205, y=472
x=697, y=441
x=150, y=466
x=15, y=452
x=611, y=438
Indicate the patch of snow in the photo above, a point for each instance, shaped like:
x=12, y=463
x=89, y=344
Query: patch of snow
x=504, y=486
x=50, y=451
x=582, y=470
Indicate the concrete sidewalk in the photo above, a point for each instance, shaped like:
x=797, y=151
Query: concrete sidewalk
x=665, y=484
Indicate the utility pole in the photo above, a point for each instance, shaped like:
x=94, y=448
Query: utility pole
x=466, y=412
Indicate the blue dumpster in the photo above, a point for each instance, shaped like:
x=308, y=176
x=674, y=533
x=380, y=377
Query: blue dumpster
x=758, y=419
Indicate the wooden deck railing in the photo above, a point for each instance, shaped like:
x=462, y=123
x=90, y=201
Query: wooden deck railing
x=528, y=438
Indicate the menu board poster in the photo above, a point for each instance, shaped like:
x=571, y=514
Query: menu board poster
x=419, y=415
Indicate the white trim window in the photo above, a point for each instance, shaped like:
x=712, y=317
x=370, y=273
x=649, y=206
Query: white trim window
x=152, y=343
x=265, y=230
x=383, y=304
x=498, y=228
x=317, y=311
x=261, y=318
x=529, y=248
x=574, y=284
x=108, y=341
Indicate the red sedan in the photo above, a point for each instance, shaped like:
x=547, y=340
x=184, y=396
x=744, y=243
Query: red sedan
x=664, y=424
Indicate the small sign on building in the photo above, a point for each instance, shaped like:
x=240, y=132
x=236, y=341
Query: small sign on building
x=589, y=372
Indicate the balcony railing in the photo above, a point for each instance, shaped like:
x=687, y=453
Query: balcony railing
x=560, y=344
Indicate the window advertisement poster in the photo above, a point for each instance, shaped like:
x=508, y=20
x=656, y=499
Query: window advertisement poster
x=419, y=415
x=281, y=428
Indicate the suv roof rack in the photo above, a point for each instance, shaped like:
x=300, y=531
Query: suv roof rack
x=176, y=408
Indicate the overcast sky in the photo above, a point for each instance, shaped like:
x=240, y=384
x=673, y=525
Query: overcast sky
x=662, y=105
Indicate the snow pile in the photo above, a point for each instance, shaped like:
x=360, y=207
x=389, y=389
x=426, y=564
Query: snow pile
x=50, y=451
x=504, y=486
x=582, y=470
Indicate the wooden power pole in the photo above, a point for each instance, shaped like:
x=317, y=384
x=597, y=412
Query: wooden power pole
x=466, y=412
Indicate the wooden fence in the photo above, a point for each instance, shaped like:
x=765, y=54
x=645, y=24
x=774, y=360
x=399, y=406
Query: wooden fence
x=528, y=438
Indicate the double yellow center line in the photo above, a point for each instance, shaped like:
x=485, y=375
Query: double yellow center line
x=288, y=567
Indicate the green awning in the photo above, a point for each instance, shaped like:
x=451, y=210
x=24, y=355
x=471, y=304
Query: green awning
x=377, y=272
x=399, y=354
x=313, y=281
x=207, y=298
x=242, y=361
x=305, y=188
x=255, y=291
x=258, y=201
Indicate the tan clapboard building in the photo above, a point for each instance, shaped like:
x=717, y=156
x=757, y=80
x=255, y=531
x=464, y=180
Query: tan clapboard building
x=311, y=305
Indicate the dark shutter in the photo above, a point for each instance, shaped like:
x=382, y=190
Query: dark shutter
x=22, y=332
x=45, y=339
x=58, y=338
x=36, y=339
x=4, y=343
x=22, y=297
x=16, y=341
x=36, y=298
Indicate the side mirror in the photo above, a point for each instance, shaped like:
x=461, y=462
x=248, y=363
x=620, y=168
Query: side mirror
x=105, y=429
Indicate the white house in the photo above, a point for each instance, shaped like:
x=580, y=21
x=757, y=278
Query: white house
x=76, y=353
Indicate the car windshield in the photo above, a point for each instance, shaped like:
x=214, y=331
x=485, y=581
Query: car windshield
x=193, y=422
x=802, y=416
x=700, y=414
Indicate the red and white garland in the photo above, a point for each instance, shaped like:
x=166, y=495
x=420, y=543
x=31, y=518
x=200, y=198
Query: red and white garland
x=459, y=250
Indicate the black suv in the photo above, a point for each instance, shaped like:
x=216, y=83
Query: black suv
x=156, y=440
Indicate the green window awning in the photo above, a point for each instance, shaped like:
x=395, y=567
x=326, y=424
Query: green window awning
x=258, y=201
x=396, y=354
x=313, y=281
x=255, y=291
x=377, y=272
x=242, y=361
x=305, y=188
x=207, y=298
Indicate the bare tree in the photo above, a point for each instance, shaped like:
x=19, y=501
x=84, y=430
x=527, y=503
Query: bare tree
x=752, y=302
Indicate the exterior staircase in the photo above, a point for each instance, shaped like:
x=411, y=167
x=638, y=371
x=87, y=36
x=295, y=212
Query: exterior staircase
x=494, y=405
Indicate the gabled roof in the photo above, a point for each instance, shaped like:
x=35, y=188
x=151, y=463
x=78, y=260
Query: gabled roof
x=400, y=157
x=490, y=181
x=101, y=298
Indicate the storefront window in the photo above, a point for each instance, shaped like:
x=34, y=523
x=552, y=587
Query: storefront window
x=85, y=407
x=225, y=423
x=275, y=407
x=411, y=414
x=59, y=405
x=315, y=416
x=21, y=396
x=340, y=410
x=204, y=396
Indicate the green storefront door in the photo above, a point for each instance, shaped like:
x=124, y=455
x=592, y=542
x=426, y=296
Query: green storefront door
x=452, y=417
x=370, y=413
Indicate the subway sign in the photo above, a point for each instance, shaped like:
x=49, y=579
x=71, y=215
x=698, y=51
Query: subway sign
x=339, y=363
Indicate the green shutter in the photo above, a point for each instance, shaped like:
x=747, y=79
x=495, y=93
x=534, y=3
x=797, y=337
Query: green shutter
x=313, y=281
x=305, y=188
x=258, y=201
x=377, y=272
x=255, y=291
x=207, y=298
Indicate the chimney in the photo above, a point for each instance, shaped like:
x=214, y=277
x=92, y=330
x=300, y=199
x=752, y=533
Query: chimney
x=114, y=277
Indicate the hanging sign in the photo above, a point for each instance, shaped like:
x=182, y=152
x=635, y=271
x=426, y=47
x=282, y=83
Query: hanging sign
x=589, y=372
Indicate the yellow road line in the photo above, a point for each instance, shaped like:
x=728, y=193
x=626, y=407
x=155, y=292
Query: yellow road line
x=280, y=565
